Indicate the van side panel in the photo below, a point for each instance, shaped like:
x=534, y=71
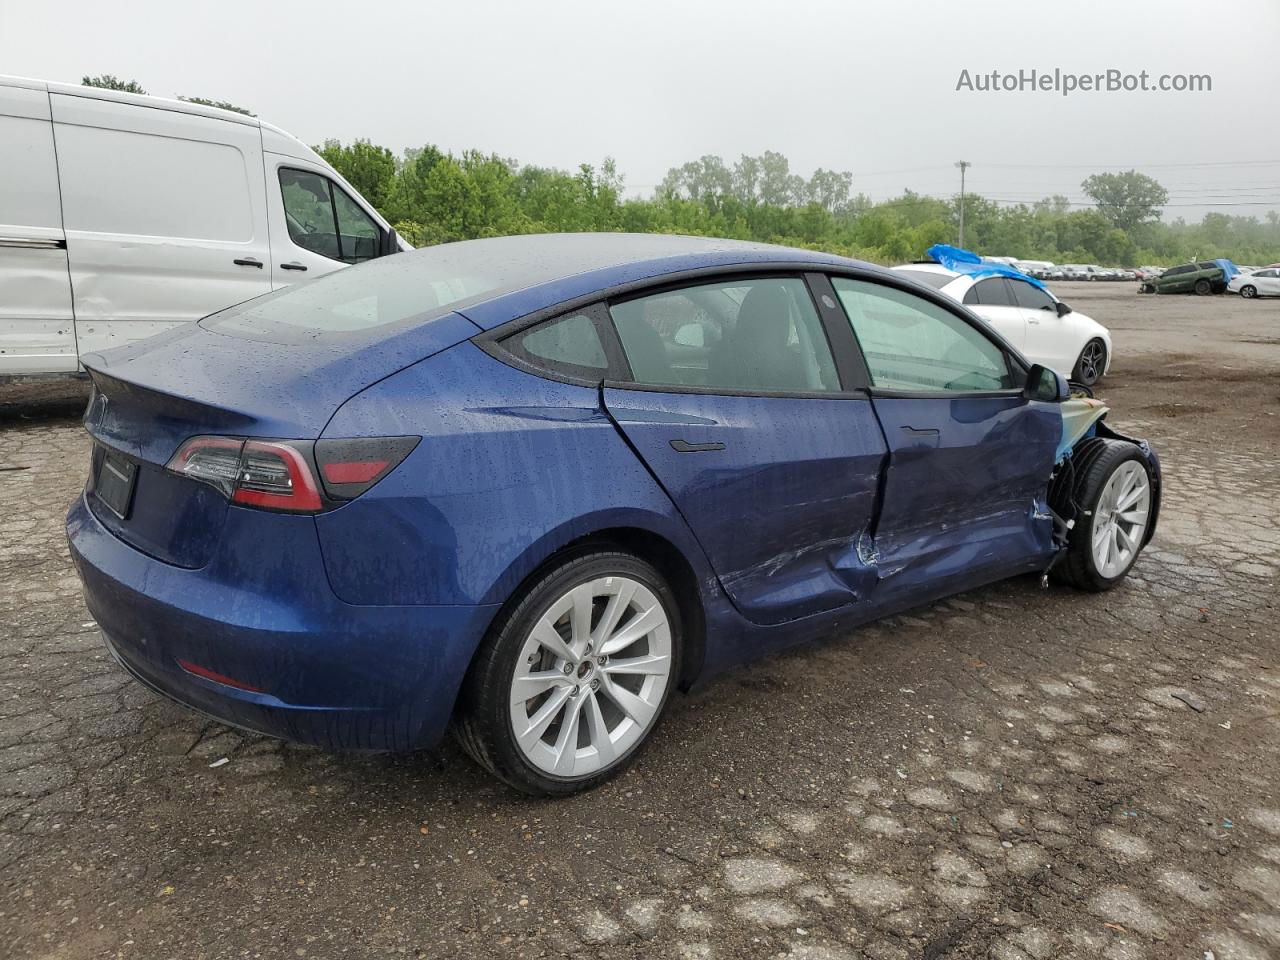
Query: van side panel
x=159, y=206
x=37, y=332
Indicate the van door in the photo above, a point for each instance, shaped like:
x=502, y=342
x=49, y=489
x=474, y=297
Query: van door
x=165, y=215
x=316, y=226
x=37, y=330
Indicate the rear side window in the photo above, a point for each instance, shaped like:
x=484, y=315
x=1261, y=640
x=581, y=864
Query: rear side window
x=570, y=344
x=992, y=292
x=1030, y=296
x=322, y=218
x=1208, y=265
x=751, y=336
x=912, y=344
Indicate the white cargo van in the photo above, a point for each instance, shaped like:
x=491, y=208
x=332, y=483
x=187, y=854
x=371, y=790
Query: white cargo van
x=122, y=215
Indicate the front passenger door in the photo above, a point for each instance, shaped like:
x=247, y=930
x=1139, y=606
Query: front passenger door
x=969, y=455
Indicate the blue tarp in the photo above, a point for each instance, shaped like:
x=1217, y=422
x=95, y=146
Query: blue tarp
x=966, y=262
x=1229, y=269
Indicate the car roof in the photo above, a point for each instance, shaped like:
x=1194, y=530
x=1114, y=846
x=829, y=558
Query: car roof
x=543, y=270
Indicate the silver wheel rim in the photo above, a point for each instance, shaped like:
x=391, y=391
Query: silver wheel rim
x=591, y=677
x=1248, y=292
x=1091, y=361
x=1120, y=519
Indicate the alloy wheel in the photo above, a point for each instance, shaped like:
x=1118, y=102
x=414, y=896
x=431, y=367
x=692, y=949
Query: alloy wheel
x=1120, y=519
x=1248, y=292
x=591, y=676
x=1092, y=361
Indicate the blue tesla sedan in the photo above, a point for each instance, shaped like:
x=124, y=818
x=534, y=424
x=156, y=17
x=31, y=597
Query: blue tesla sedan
x=526, y=487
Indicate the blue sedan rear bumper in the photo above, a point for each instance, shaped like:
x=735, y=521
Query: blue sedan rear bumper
x=274, y=650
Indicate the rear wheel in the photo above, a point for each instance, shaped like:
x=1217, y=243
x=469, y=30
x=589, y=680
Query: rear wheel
x=1248, y=291
x=1110, y=495
x=1203, y=288
x=1092, y=363
x=574, y=679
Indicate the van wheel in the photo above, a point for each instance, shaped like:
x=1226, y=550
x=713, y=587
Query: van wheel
x=1110, y=496
x=1248, y=291
x=573, y=681
x=1203, y=287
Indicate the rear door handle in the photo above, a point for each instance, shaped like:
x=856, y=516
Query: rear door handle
x=292, y=266
x=922, y=431
x=683, y=446
x=248, y=262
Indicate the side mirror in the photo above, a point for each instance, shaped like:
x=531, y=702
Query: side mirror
x=1063, y=309
x=1045, y=385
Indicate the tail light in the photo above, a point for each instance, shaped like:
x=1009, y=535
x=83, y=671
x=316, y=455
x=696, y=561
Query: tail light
x=279, y=474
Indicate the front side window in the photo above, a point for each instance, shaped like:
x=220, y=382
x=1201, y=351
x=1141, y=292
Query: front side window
x=912, y=344
x=322, y=218
x=758, y=335
x=1031, y=297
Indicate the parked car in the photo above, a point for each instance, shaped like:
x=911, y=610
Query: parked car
x=153, y=213
x=1203, y=278
x=1075, y=271
x=1260, y=283
x=534, y=484
x=1045, y=329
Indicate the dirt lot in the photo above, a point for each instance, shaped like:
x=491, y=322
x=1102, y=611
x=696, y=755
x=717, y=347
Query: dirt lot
x=1003, y=774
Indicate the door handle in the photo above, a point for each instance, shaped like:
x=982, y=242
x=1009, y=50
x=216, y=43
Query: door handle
x=248, y=262
x=683, y=446
x=922, y=431
x=292, y=266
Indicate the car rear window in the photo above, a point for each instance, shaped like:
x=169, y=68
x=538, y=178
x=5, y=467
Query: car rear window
x=928, y=277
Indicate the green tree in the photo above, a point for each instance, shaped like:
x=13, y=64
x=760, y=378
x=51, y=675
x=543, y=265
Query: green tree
x=108, y=81
x=1126, y=199
x=220, y=104
x=371, y=170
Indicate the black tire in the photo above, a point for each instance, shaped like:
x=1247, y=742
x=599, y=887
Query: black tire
x=1146, y=288
x=1248, y=291
x=483, y=721
x=1090, y=373
x=1075, y=493
x=1203, y=288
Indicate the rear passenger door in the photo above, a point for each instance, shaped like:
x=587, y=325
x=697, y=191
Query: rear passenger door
x=969, y=455
x=732, y=399
x=165, y=216
x=994, y=302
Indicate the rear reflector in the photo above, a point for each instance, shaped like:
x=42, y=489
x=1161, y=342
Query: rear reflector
x=350, y=466
x=208, y=674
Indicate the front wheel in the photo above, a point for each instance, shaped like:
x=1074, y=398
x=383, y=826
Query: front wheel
x=1248, y=291
x=1203, y=288
x=1092, y=363
x=1111, y=490
x=573, y=681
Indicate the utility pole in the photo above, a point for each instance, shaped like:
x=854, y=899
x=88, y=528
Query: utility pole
x=963, y=165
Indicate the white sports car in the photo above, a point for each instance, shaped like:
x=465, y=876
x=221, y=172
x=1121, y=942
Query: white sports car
x=1260, y=283
x=1045, y=329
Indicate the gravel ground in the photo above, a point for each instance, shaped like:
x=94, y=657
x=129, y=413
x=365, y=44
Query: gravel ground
x=1004, y=774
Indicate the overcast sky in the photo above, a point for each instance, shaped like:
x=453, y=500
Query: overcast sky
x=863, y=86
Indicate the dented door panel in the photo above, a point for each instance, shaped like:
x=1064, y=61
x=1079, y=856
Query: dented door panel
x=965, y=485
x=779, y=491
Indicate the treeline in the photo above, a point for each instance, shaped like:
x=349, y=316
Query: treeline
x=436, y=197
